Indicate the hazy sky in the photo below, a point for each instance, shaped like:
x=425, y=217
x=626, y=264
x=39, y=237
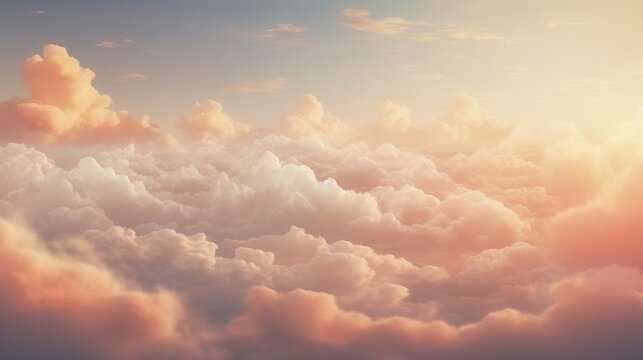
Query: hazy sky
x=529, y=61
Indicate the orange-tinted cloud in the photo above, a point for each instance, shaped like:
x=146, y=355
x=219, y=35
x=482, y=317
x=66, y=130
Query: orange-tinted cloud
x=606, y=231
x=55, y=307
x=594, y=315
x=64, y=107
x=209, y=121
x=308, y=116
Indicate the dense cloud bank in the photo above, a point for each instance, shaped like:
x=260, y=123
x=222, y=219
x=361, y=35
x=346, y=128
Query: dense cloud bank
x=465, y=237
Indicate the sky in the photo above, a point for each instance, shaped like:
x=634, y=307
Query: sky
x=205, y=180
x=529, y=61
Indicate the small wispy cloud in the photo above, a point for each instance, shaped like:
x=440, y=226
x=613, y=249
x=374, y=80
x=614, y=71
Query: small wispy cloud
x=362, y=20
x=133, y=76
x=113, y=44
x=285, y=28
x=277, y=30
x=266, y=85
x=39, y=12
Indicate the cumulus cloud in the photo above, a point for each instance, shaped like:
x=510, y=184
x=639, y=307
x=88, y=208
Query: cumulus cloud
x=270, y=321
x=308, y=116
x=209, y=120
x=464, y=127
x=323, y=330
x=59, y=308
x=64, y=107
x=607, y=230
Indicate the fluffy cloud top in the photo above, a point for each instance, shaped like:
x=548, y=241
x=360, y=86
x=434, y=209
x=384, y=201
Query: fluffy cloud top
x=64, y=107
x=309, y=117
x=209, y=120
x=588, y=307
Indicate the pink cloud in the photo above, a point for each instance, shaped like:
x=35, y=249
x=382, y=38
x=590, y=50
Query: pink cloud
x=57, y=307
x=607, y=230
x=587, y=308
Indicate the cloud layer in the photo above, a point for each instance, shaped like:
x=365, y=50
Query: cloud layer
x=466, y=236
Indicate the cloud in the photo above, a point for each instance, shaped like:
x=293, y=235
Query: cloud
x=133, y=76
x=284, y=28
x=393, y=117
x=271, y=321
x=267, y=85
x=59, y=308
x=108, y=44
x=113, y=44
x=277, y=31
x=114, y=319
x=605, y=231
x=309, y=117
x=362, y=20
x=464, y=127
x=209, y=120
x=64, y=107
